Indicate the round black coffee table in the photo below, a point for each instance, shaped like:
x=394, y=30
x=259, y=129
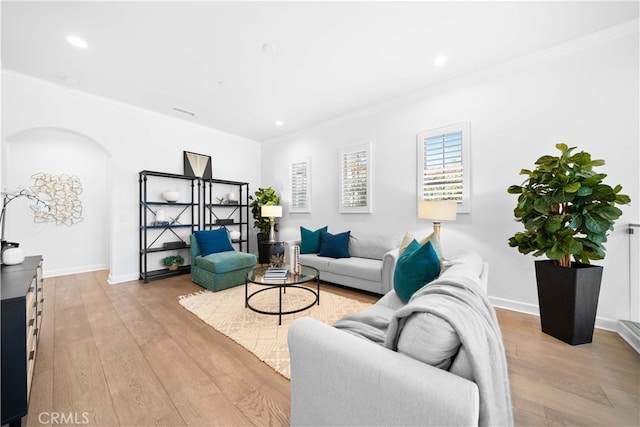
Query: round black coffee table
x=306, y=275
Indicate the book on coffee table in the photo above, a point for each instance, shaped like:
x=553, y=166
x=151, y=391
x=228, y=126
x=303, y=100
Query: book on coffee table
x=276, y=273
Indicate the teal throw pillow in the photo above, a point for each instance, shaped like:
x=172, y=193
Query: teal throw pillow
x=310, y=240
x=416, y=266
x=335, y=245
x=213, y=241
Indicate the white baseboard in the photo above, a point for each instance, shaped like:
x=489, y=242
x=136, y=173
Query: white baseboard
x=630, y=337
x=601, y=322
x=113, y=280
x=72, y=270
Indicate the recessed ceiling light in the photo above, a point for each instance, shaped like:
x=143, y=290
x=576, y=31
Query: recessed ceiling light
x=269, y=48
x=440, y=60
x=77, y=42
x=279, y=123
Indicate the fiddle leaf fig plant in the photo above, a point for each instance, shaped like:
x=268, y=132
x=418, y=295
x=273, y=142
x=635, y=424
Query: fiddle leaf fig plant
x=565, y=208
x=263, y=197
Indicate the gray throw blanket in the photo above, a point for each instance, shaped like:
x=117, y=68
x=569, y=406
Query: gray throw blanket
x=458, y=299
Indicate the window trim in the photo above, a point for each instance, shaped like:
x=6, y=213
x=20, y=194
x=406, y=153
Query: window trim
x=307, y=168
x=366, y=147
x=464, y=206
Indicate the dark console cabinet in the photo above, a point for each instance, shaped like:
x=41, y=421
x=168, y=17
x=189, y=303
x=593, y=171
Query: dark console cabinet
x=22, y=302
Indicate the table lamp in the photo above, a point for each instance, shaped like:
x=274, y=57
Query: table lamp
x=437, y=210
x=271, y=212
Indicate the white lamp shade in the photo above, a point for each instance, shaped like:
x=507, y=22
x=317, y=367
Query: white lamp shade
x=438, y=210
x=270, y=211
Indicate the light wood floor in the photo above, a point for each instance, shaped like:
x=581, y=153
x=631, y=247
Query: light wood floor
x=129, y=354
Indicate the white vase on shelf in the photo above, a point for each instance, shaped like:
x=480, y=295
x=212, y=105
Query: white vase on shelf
x=171, y=196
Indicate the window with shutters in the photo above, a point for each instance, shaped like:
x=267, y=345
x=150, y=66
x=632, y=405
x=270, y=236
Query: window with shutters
x=355, y=170
x=300, y=178
x=444, y=165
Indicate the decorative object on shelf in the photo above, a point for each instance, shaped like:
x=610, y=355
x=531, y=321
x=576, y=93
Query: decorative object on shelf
x=437, y=210
x=173, y=262
x=235, y=235
x=232, y=197
x=171, y=196
x=224, y=221
x=272, y=212
x=567, y=212
x=62, y=196
x=11, y=252
x=222, y=200
x=174, y=245
x=197, y=165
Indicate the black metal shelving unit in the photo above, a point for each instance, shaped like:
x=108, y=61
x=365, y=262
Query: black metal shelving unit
x=153, y=238
x=226, y=214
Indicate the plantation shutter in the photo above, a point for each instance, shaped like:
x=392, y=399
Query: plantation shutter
x=354, y=190
x=443, y=171
x=444, y=165
x=300, y=186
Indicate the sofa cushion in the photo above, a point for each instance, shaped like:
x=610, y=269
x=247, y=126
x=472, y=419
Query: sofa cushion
x=416, y=266
x=213, y=241
x=363, y=268
x=372, y=247
x=310, y=240
x=223, y=262
x=335, y=245
x=315, y=261
x=433, y=238
x=430, y=339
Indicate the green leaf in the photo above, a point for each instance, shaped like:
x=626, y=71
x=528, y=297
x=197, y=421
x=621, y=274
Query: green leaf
x=562, y=147
x=584, y=191
x=553, y=223
x=572, y=188
x=514, y=189
x=608, y=212
x=622, y=199
x=595, y=223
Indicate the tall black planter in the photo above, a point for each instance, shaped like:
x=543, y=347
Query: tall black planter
x=263, y=248
x=568, y=300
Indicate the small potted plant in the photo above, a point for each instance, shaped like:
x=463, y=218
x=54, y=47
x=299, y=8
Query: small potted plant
x=173, y=262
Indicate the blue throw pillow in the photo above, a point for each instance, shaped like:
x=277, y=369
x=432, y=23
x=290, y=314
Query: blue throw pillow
x=335, y=245
x=213, y=241
x=416, y=266
x=310, y=240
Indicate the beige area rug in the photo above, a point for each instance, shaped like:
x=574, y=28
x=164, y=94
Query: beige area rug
x=260, y=333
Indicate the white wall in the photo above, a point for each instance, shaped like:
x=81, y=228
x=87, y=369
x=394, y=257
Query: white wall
x=132, y=138
x=584, y=95
x=57, y=152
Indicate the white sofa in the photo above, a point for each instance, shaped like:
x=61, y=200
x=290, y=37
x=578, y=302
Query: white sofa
x=370, y=266
x=339, y=377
